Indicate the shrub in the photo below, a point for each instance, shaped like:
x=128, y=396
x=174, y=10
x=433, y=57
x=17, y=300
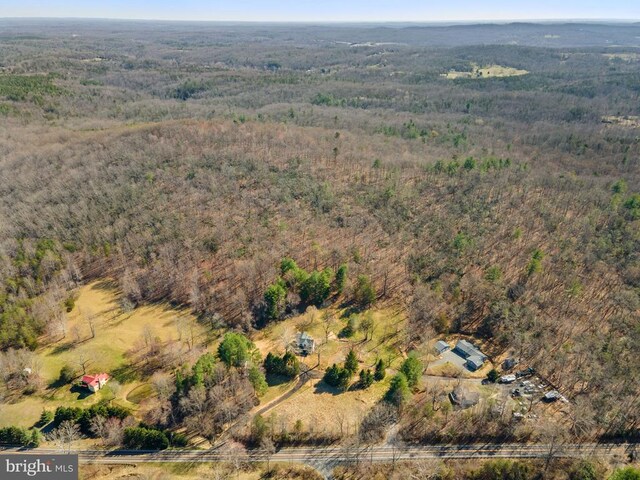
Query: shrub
x=628, y=473
x=412, y=369
x=67, y=374
x=14, y=436
x=503, y=470
x=340, y=281
x=380, y=372
x=350, y=329
x=493, y=274
x=69, y=303
x=236, y=349
x=366, y=378
x=177, y=439
x=259, y=383
x=140, y=438
x=287, y=365
x=584, y=470
x=351, y=362
x=364, y=294
x=337, y=377
x=317, y=287
x=274, y=300
x=398, y=392
x=535, y=264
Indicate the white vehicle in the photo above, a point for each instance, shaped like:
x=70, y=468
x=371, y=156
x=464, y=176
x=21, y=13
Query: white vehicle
x=507, y=379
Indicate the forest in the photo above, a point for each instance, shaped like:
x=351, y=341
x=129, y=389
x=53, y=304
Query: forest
x=248, y=173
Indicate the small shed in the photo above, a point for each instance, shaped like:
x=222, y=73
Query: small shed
x=442, y=346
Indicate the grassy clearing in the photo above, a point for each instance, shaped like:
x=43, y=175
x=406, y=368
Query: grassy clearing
x=275, y=390
x=450, y=370
x=188, y=471
x=490, y=71
x=139, y=393
x=323, y=408
x=628, y=121
x=312, y=402
x=118, y=336
x=117, y=333
x=627, y=57
x=384, y=340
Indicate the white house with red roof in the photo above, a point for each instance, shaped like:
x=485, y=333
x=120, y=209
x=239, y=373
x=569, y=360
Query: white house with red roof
x=95, y=382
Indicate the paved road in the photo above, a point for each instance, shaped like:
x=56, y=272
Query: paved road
x=341, y=454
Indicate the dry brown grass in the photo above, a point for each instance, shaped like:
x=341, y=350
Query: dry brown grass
x=190, y=471
x=323, y=409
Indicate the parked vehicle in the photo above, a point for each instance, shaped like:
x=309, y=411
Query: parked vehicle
x=527, y=372
x=507, y=379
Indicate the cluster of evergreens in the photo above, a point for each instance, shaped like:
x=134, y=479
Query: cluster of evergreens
x=341, y=376
x=287, y=365
x=405, y=380
x=140, y=438
x=313, y=288
x=19, y=436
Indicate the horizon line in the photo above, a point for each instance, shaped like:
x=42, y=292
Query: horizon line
x=360, y=22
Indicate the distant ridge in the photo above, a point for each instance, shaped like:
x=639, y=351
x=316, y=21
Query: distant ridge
x=544, y=34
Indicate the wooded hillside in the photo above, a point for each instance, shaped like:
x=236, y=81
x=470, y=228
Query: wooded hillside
x=187, y=164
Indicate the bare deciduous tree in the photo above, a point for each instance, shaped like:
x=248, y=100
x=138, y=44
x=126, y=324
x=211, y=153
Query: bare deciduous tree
x=65, y=434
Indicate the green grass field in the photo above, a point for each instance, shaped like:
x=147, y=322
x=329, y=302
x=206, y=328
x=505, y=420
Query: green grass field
x=118, y=336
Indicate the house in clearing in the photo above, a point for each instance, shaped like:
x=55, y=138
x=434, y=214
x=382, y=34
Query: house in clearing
x=95, y=382
x=475, y=358
x=305, y=344
x=442, y=346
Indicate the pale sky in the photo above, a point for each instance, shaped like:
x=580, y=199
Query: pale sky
x=327, y=10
